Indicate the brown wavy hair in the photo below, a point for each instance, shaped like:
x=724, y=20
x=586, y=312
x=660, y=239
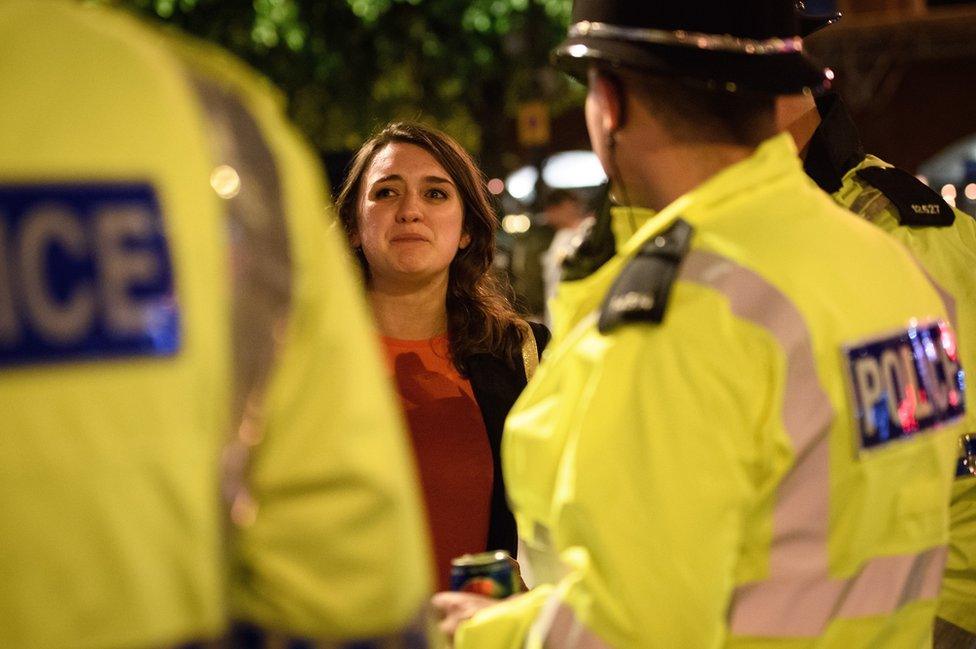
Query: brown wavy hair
x=480, y=318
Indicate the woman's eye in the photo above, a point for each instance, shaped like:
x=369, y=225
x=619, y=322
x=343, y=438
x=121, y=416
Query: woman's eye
x=437, y=193
x=383, y=192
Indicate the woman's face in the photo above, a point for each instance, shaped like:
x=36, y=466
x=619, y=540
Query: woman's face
x=410, y=218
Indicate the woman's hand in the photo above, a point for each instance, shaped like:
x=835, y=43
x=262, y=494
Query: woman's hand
x=453, y=608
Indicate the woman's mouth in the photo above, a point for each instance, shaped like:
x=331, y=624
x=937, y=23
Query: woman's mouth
x=409, y=238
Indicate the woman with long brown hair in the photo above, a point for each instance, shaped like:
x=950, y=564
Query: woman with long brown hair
x=418, y=216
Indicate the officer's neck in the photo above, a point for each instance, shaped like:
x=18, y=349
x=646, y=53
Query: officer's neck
x=661, y=175
x=410, y=310
x=798, y=116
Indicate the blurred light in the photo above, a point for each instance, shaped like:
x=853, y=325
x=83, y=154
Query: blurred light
x=496, y=186
x=948, y=191
x=922, y=178
x=970, y=191
x=578, y=51
x=829, y=74
x=521, y=183
x=516, y=223
x=573, y=169
x=225, y=181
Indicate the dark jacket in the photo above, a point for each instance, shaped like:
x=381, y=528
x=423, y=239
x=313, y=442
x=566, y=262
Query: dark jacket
x=835, y=147
x=496, y=387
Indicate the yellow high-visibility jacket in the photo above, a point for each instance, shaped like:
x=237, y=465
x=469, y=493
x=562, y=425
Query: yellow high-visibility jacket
x=178, y=319
x=744, y=438
x=948, y=254
x=943, y=239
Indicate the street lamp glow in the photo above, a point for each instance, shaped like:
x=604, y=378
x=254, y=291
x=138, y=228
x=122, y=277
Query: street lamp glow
x=521, y=183
x=516, y=223
x=573, y=169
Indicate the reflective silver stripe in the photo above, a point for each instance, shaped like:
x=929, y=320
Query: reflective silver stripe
x=803, y=604
x=699, y=40
x=260, y=265
x=558, y=625
x=799, y=598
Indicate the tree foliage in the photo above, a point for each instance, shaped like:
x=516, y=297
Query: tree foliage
x=348, y=66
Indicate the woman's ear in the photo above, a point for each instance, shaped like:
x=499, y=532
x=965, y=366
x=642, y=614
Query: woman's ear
x=465, y=241
x=354, y=240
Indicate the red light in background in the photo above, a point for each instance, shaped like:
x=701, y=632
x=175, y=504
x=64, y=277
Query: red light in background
x=496, y=186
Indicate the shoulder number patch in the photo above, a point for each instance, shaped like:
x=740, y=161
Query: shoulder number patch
x=905, y=383
x=917, y=204
x=85, y=272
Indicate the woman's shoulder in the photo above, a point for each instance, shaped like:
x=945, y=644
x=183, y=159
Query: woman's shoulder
x=541, y=334
x=497, y=378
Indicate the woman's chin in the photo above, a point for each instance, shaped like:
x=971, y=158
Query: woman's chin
x=419, y=265
x=415, y=273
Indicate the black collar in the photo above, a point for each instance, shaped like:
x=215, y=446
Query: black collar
x=835, y=147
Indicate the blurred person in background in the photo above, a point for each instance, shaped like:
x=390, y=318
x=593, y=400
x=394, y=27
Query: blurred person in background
x=527, y=270
x=943, y=239
x=689, y=464
x=418, y=215
x=177, y=319
x=595, y=248
x=566, y=213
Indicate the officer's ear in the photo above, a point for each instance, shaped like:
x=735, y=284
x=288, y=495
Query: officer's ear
x=607, y=94
x=355, y=240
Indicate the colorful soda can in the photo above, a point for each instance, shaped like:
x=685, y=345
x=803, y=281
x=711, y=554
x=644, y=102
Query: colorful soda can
x=491, y=574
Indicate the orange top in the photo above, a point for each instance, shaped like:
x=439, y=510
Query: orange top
x=451, y=447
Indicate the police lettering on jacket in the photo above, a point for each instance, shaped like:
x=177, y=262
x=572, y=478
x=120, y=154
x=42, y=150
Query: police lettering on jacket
x=905, y=383
x=85, y=272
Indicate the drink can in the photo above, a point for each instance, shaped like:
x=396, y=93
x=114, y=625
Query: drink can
x=491, y=574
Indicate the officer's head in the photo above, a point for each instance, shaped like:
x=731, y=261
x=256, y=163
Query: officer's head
x=695, y=71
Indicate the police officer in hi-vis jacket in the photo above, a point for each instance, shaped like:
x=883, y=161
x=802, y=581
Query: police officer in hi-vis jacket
x=746, y=435
x=943, y=239
x=178, y=323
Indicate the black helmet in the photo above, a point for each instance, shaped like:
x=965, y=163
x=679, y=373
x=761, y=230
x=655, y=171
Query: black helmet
x=733, y=46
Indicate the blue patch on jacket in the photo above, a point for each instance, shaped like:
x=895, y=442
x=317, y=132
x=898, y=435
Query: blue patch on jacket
x=905, y=383
x=85, y=273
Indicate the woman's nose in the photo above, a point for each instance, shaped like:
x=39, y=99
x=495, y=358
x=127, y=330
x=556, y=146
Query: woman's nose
x=409, y=211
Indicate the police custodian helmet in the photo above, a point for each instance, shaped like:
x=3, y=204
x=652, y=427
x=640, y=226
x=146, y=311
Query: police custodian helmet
x=732, y=46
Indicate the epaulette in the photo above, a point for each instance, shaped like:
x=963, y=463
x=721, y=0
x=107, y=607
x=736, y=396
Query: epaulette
x=917, y=204
x=640, y=293
x=596, y=246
